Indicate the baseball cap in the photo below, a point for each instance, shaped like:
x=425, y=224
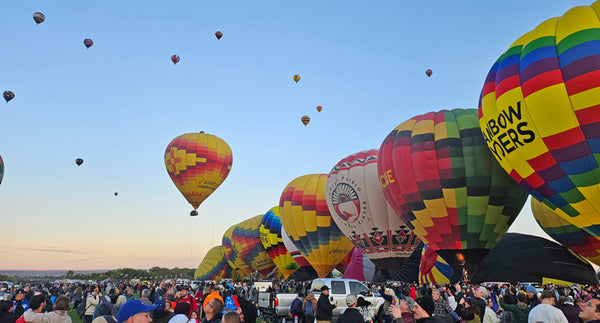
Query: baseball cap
x=350, y=300
x=131, y=308
x=324, y=287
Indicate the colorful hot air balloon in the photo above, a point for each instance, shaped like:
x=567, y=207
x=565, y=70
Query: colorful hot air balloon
x=296, y=78
x=245, y=239
x=116, y=193
x=306, y=219
x=231, y=255
x=433, y=269
x=305, y=120
x=78, y=161
x=428, y=73
x=175, y=59
x=198, y=163
x=88, y=42
x=319, y=108
x=8, y=95
x=565, y=233
x=359, y=208
x=1, y=169
x=272, y=241
x=539, y=112
x=38, y=17
x=441, y=179
x=213, y=266
x=218, y=34
x=360, y=267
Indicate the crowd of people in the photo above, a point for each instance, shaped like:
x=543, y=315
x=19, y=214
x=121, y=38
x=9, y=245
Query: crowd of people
x=229, y=302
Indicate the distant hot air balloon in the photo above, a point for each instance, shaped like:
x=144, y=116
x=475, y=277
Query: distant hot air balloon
x=175, y=59
x=198, y=163
x=8, y=95
x=296, y=78
x=272, y=241
x=1, y=169
x=78, y=161
x=38, y=17
x=441, y=179
x=307, y=221
x=218, y=34
x=433, y=269
x=428, y=73
x=359, y=208
x=88, y=42
x=245, y=239
x=231, y=254
x=305, y=120
x=319, y=108
x=213, y=266
x=539, y=109
x=568, y=235
x=116, y=193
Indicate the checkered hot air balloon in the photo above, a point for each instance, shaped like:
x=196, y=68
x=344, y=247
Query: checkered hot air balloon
x=540, y=114
x=245, y=239
x=198, y=163
x=306, y=219
x=213, y=266
x=441, y=179
x=232, y=256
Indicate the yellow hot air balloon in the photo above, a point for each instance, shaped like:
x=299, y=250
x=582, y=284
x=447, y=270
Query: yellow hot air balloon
x=272, y=241
x=231, y=254
x=213, y=266
x=296, y=78
x=306, y=219
x=198, y=163
x=245, y=239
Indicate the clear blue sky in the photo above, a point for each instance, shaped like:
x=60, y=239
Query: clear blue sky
x=119, y=103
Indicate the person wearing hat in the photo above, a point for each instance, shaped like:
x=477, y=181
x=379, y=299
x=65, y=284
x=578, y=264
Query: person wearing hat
x=324, y=307
x=532, y=299
x=363, y=307
x=404, y=310
x=351, y=313
x=135, y=312
x=20, y=303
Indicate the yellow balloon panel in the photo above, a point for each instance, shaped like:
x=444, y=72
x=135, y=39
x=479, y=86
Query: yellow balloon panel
x=272, y=241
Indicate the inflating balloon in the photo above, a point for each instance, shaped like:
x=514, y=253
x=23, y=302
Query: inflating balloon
x=440, y=178
x=296, y=78
x=175, y=59
x=433, y=269
x=38, y=17
x=565, y=233
x=319, y=108
x=428, y=73
x=1, y=169
x=213, y=266
x=307, y=221
x=272, y=241
x=359, y=208
x=246, y=241
x=539, y=112
x=360, y=267
x=218, y=34
x=78, y=161
x=198, y=163
x=305, y=120
x=88, y=42
x=8, y=95
x=231, y=255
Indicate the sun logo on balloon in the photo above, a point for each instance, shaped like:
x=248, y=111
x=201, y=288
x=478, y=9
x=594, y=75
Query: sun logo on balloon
x=346, y=202
x=174, y=158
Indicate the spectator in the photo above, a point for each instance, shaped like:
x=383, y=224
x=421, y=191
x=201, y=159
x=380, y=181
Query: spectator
x=545, y=311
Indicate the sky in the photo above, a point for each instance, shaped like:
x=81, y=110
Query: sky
x=118, y=104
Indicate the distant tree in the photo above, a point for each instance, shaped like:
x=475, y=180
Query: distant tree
x=70, y=274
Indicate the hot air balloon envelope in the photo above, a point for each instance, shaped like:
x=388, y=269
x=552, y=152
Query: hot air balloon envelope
x=8, y=95
x=175, y=59
x=305, y=120
x=213, y=266
x=272, y=240
x=78, y=161
x=428, y=73
x=39, y=17
x=319, y=108
x=219, y=34
x=1, y=169
x=296, y=78
x=88, y=42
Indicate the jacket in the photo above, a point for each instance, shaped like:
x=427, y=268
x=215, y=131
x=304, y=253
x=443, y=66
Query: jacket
x=324, y=309
x=520, y=310
x=310, y=298
x=351, y=315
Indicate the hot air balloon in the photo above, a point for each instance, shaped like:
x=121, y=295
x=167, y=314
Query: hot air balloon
x=433, y=269
x=213, y=266
x=198, y=163
x=428, y=73
x=88, y=42
x=522, y=257
x=38, y=17
x=245, y=239
x=272, y=241
x=78, y=161
x=319, y=108
x=360, y=267
x=218, y=34
x=306, y=271
x=175, y=59
x=359, y=208
x=8, y=95
x=1, y=169
x=231, y=255
x=116, y=193
x=565, y=233
x=441, y=180
x=306, y=219
x=296, y=78
x=539, y=113
x=305, y=120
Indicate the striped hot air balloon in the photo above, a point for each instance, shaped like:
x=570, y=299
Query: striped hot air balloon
x=272, y=241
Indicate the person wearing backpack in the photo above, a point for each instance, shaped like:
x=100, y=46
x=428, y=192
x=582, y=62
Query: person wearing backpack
x=296, y=307
x=308, y=307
